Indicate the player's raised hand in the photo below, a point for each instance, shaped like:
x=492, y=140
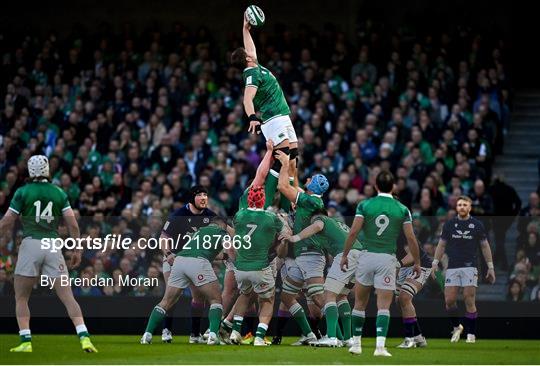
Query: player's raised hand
x=254, y=127
x=490, y=276
x=75, y=259
x=285, y=237
x=344, y=264
x=269, y=145
x=281, y=156
x=246, y=22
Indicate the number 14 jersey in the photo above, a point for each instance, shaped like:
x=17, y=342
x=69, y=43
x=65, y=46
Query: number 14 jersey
x=40, y=206
x=384, y=217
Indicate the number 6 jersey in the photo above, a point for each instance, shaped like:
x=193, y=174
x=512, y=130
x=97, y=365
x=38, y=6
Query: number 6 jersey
x=384, y=217
x=40, y=206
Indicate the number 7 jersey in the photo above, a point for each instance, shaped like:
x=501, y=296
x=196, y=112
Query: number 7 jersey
x=40, y=206
x=384, y=217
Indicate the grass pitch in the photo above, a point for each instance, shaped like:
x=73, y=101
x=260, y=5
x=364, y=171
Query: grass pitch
x=65, y=349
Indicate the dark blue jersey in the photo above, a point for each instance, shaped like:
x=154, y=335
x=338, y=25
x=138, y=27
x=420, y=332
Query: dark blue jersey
x=182, y=222
x=463, y=237
x=425, y=259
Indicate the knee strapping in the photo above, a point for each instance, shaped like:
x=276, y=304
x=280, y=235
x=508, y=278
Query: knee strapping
x=409, y=289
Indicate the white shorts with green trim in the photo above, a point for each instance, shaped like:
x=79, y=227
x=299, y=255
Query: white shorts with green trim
x=340, y=282
x=378, y=270
x=187, y=271
x=311, y=265
x=33, y=260
x=279, y=128
x=262, y=282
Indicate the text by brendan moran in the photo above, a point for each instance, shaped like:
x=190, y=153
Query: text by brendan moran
x=65, y=280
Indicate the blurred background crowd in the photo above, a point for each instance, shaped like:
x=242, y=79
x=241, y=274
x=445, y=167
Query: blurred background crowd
x=130, y=121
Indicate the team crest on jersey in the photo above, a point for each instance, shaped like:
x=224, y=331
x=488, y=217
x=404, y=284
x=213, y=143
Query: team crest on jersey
x=189, y=219
x=471, y=226
x=206, y=220
x=455, y=225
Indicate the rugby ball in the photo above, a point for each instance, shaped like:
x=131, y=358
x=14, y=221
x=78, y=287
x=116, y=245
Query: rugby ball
x=255, y=16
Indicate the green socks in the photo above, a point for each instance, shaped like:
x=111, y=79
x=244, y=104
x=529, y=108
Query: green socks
x=344, y=309
x=25, y=335
x=214, y=317
x=358, y=319
x=261, y=330
x=237, y=322
x=331, y=314
x=300, y=316
x=383, y=321
x=156, y=318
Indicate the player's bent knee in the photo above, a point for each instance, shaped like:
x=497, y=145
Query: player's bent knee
x=290, y=288
x=276, y=166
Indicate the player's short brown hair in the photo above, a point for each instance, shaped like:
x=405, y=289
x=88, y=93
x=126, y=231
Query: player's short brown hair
x=385, y=182
x=238, y=58
x=464, y=198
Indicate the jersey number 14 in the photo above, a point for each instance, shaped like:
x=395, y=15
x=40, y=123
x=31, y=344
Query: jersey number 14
x=46, y=214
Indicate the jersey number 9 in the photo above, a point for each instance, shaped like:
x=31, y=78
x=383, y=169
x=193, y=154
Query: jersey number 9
x=382, y=222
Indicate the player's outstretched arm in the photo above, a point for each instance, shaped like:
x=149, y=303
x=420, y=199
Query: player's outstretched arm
x=264, y=166
x=7, y=222
x=309, y=231
x=439, y=251
x=356, y=227
x=249, y=45
x=290, y=192
x=486, y=252
x=414, y=250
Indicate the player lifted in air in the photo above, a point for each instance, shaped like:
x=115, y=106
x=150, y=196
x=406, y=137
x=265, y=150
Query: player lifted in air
x=461, y=237
x=338, y=283
x=309, y=263
x=258, y=230
x=41, y=205
x=263, y=94
x=193, y=266
x=381, y=218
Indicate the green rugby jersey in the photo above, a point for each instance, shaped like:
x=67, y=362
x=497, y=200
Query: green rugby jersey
x=40, y=205
x=270, y=188
x=384, y=217
x=305, y=206
x=269, y=99
x=207, y=242
x=335, y=234
x=257, y=229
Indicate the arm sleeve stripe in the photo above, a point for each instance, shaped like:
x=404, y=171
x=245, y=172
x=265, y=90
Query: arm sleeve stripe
x=359, y=215
x=252, y=86
x=14, y=210
x=297, y=197
x=66, y=208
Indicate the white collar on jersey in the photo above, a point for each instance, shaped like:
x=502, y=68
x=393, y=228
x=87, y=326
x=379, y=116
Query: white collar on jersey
x=385, y=195
x=255, y=209
x=252, y=67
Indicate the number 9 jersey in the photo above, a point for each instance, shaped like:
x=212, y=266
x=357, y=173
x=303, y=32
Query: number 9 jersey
x=40, y=206
x=384, y=217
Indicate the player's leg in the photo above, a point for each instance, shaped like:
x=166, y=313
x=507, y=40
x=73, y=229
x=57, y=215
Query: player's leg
x=408, y=313
x=23, y=289
x=166, y=334
x=264, y=286
x=212, y=292
x=469, y=296
x=335, y=297
x=312, y=268
x=292, y=286
x=450, y=300
x=197, y=312
x=171, y=296
x=361, y=295
x=65, y=294
x=385, y=285
x=230, y=291
x=177, y=281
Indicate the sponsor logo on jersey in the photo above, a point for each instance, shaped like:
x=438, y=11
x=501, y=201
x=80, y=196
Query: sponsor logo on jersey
x=386, y=279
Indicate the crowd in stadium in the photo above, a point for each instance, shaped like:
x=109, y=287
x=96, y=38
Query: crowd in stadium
x=130, y=122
